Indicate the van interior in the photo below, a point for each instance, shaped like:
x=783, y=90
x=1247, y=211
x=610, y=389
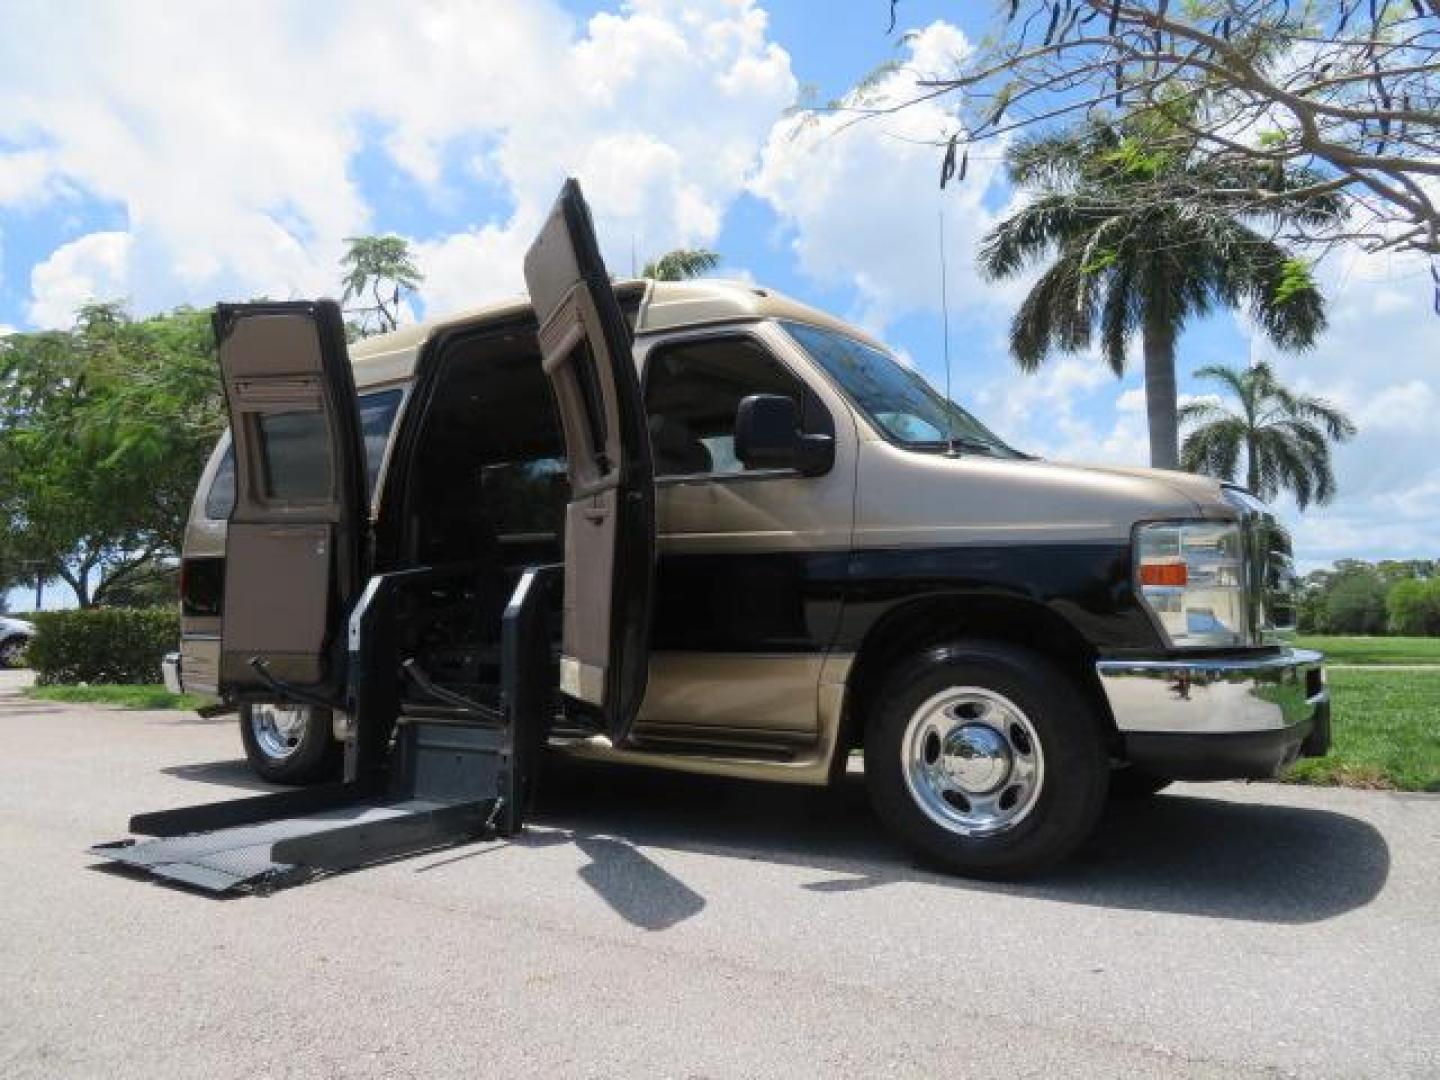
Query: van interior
x=479, y=493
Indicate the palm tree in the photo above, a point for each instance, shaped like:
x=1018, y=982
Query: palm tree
x=1284, y=436
x=1127, y=259
x=681, y=264
x=384, y=266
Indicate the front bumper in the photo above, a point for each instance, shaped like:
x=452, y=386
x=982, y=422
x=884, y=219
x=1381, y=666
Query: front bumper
x=1233, y=717
x=170, y=671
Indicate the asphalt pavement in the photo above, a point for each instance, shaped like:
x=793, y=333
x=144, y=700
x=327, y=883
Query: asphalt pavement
x=658, y=925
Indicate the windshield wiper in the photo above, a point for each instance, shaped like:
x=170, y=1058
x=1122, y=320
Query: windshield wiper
x=958, y=442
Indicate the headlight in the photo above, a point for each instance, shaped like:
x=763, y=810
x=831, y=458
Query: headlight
x=1191, y=575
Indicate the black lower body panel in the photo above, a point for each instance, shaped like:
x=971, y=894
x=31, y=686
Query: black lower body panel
x=1250, y=755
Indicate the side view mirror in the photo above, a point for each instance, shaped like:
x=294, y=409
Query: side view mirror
x=768, y=436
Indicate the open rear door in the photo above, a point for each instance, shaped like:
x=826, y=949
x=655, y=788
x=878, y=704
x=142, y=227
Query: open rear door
x=585, y=344
x=296, y=537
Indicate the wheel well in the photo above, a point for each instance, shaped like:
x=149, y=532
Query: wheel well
x=920, y=624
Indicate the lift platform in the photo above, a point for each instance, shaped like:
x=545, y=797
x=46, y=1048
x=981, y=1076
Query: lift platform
x=412, y=784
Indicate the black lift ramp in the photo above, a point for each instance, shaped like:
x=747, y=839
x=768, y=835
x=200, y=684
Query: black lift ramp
x=452, y=774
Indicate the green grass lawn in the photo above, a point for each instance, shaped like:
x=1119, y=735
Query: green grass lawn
x=126, y=696
x=1386, y=732
x=1375, y=650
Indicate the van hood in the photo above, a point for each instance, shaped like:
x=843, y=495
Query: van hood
x=1207, y=493
x=906, y=497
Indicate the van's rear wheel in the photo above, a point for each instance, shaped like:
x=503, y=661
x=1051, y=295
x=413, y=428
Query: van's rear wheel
x=985, y=759
x=289, y=744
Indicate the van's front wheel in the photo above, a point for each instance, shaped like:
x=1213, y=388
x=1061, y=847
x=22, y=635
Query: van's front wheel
x=985, y=759
x=289, y=744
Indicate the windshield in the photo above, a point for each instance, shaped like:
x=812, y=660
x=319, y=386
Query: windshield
x=897, y=399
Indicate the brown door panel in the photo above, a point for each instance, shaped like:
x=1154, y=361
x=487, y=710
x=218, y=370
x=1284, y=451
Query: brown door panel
x=294, y=543
x=586, y=348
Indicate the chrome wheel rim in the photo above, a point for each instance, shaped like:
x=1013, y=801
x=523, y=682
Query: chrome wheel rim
x=11, y=653
x=973, y=761
x=279, y=729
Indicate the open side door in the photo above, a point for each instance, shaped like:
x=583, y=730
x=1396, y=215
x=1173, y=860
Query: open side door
x=294, y=550
x=586, y=348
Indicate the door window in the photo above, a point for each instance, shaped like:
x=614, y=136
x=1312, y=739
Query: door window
x=377, y=417
x=295, y=455
x=692, y=392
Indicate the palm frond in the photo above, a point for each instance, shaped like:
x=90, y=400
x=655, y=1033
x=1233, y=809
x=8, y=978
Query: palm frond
x=1028, y=235
x=681, y=264
x=1214, y=448
x=1053, y=314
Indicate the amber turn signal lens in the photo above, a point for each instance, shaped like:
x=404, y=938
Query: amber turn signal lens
x=1171, y=575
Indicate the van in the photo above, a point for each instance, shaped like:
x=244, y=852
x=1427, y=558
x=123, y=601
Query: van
x=780, y=546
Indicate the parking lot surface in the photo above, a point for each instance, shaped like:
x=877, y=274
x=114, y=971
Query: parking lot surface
x=650, y=924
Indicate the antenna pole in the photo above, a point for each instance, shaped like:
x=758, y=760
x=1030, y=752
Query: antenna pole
x=950, y=448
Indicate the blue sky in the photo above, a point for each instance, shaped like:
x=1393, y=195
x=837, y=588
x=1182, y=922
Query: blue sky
x=137, y=159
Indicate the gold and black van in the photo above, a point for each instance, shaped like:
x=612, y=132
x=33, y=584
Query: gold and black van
x=780, y=545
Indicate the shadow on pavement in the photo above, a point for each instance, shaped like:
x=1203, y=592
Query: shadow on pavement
x=1176, y=853
x=233, y=774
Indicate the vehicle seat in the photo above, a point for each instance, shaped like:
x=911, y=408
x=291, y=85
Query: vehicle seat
x=677, y=451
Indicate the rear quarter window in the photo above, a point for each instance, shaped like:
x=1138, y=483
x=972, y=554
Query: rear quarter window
x=377, y=418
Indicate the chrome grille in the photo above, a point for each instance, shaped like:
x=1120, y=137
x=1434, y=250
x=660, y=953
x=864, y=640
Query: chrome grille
x=1273, y=585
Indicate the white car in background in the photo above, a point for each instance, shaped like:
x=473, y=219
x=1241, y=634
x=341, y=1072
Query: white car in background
x=15, y=635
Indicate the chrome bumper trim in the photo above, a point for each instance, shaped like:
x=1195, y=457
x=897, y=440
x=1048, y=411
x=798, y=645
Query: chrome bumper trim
x=1215, y=696
x=170, y=672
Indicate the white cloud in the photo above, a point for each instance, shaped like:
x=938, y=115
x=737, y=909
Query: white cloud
x=863, y=199
x=229, y=135
x=25, y=176
x=94, y=267
x=1073, y=409
x=1379, y=360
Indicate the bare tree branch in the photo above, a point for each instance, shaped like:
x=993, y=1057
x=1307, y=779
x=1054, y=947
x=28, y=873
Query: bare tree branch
x=1346, y=89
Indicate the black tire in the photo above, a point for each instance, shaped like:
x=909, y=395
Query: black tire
x=1064, y=803
x=12, y=652
x=314, y=757
x=1133, y=784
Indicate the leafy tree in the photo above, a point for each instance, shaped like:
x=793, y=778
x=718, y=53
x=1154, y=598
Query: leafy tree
x=1414, y=607
x=1393, y=570
x=1283, y=436
x=681, y=264
x=379, y=270
x=103, y=429
x=1122, y=266
x=1310, y=611
x=1347, y=90
x=153, y=585
x=1355, y=602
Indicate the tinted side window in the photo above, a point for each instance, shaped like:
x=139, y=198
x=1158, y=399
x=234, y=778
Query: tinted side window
x=377, y=417
x=295, y=455
x=221, y=498
x=692, y=391
x=525, y=498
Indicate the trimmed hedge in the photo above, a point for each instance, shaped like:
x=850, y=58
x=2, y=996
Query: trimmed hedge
x=102, y=645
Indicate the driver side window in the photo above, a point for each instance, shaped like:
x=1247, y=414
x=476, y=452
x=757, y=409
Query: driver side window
x=692, y=392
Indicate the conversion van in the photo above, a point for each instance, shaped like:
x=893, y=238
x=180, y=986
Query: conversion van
x=780, y=545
